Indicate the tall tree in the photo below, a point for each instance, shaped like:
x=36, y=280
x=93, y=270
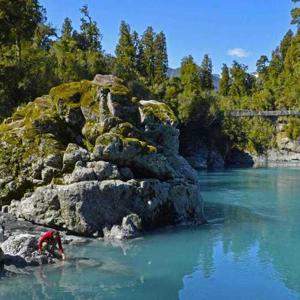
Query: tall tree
x=262, y=64
x=90, y=36
x=189, y=75
x=161, y=58
x=67, y=29
x=67, y=55
x=149, y=55
x=125, y=54
x=285, y=44
x=206, y=76
x=224, y=81
x=43, y=36
x=241, y=80
x=139, y=52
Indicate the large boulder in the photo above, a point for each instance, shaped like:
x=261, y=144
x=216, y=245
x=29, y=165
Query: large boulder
x=22, y=251
x=87, y=207
x=22, y=245
x=131, y=227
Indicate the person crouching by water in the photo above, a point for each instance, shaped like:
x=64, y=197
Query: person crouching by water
x=49, y=242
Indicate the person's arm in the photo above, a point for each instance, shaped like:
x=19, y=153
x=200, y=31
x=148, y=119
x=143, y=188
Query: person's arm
x=60, y=247
x=41, y=240
x=40, y=245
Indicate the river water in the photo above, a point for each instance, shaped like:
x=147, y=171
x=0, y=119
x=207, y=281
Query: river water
x=250, y=250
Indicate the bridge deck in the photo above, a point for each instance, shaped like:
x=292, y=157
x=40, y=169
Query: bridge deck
x=267, y=113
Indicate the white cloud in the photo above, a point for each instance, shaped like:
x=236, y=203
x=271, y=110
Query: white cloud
x=238, y=52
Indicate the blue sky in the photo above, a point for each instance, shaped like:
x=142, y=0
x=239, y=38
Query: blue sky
x=225, y=29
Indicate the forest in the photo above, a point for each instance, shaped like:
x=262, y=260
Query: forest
x=34, y=56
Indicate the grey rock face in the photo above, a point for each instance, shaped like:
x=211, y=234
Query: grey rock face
x=240, y=159
x=21, y=245
x=73, y=154
x=126, y=174
x=1, y=233
x=106, y=79
x=274, y=158
x=87, y=207
x=21, y=251
x=97, y=170
x=131, y=227
x=83, y=207
x=200, y=157
x=215, y=161
x=287, y=154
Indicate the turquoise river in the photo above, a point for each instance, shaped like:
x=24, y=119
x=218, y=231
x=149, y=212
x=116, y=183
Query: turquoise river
x=249, y=250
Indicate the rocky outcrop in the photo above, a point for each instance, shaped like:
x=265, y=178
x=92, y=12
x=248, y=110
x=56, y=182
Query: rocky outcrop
x=240, y=159
x=21, y=251
x=19, y=247
x=200, y=157
x=131, y=227
x=285, y=151
x=86, y=156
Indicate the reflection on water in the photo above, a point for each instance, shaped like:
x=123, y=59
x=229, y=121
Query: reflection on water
x=249, y=250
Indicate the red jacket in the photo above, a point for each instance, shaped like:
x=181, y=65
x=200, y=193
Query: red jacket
x=48, y=237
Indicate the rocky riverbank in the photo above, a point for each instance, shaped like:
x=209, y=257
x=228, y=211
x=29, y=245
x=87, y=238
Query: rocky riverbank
x=88, y=154
x=285, y=152
x=19, y=245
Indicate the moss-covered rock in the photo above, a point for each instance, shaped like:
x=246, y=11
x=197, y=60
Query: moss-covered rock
x=44, y=127
x=89, y=156
x=160, y=123
x=154, y=111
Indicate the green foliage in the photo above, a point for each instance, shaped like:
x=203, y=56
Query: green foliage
x=197, y=109
x=139, y=52
x=90, y=37
x=242, y=82
x=296, y=15
x=292, y=129
x=139, y=89
x=125, y=55
x=142, y=61
x=224, y=81
x=148, y=58
x=34, y=58
x=78, y=55
x=190, y=79
x=206, y=77
x=18, y=22
x=255, y=135
x=160, y=112
x=161, y=58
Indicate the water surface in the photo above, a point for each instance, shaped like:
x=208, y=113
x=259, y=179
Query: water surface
x=250, y=250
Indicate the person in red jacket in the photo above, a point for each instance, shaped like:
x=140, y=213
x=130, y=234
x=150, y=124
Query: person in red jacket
x=49, y=242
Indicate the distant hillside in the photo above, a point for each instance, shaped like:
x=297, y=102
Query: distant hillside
x=175, y=73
